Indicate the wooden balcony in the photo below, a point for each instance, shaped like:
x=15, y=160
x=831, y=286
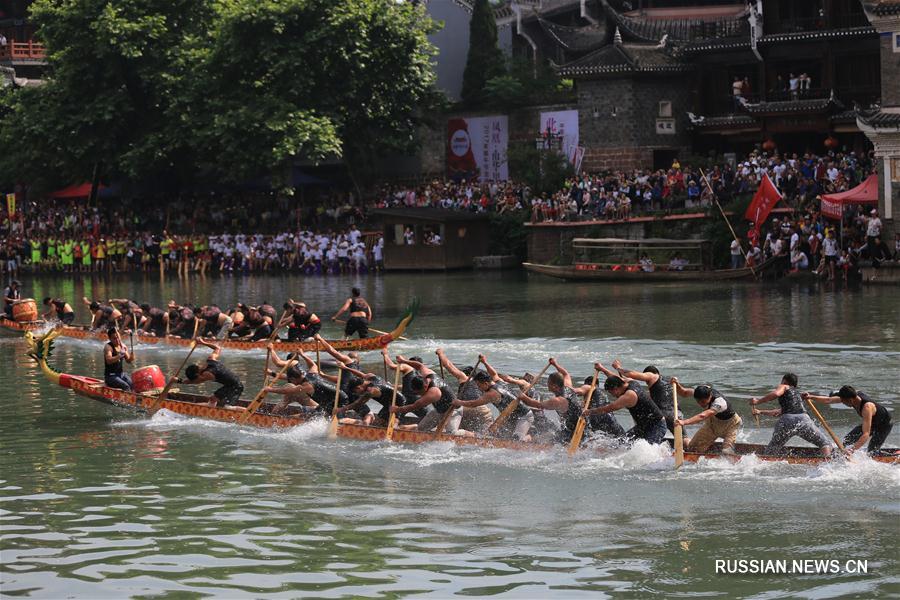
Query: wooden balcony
x=22, y=52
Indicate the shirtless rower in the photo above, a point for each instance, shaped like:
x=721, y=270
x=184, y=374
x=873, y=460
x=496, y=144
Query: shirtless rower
x=59, y=309
x=793, y=419
x=501, y=395
x=431, y=390
x=321, y=389
x=565, y=401
x=876, y=420
x=156, y=320
x=660, y=389
x=104, y=315
x=359, y=315
x=213, y=370
x=718, y=417
x=304, y=324
x=214, y=322
x=649, y=424
x=475, y=417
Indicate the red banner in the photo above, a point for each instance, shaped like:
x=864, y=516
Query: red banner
x=767, y=195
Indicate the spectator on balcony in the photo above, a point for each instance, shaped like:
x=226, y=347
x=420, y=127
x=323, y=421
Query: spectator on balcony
x=805, y=84
x=737, y=92
x=794, y=86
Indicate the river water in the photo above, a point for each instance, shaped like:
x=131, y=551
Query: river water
x=98, y=502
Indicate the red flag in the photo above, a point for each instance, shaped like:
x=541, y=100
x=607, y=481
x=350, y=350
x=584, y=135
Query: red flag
x=767, y=195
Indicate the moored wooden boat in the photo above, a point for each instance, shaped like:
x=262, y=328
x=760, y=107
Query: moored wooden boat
x=358, y=345
x=579, y=272
x=193, y=405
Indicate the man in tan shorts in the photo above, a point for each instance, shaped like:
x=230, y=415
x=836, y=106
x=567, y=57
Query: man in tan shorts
x=719, y=419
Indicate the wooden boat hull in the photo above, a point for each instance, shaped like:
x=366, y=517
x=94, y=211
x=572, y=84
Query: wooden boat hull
x=358, y=345
x=179, y=403
x=582, y=273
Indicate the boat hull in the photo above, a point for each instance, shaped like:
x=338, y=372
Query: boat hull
x=358, y=345
x=583, y=273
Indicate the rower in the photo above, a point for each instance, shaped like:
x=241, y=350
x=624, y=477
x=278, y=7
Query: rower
x=196, y=374
x=876, y=420
x=322, y=387
x=259, y=324
x=660, y=389
x=431, y=390
x=719, y=419
x=649, y=424
x=497, y=393
x=60, y=310
x=304, y=324
x=114, y=354
x=11, y=295
x=104, y=315
x=605, y=423
x=542, y=426
x=214, y=322
x=298, y=389
x=363, y=387
x=350, y=359
x=407, y=374
x=565, y=401
x=475, y=417
x=132, y=313
x=155, y=320
x=183, y=323
x=359, y=314
x=793, y=419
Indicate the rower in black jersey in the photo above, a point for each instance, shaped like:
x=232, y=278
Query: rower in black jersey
x=605, y=423
x=214, y=322
x=60, y=310
x=183, y=323
x=475, y=418
x=359, y=314
x=660, y=389
x=304, y=324
x=104, y=315
x=501, y=395
x=114, y=355
x=564, y=400
x=649, y=423
x=155, y=320
x=430, y=390
x=322, y=387
x=363, y=387
x=793, y=419
x=213, y=370
x=876, y=420
x=132, y=313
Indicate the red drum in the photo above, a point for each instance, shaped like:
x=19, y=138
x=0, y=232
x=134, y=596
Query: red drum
x=148, y=379
x=25, y=310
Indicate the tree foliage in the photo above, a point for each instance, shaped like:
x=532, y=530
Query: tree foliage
x=226, y=88
x=545, y=171
x=485, y=60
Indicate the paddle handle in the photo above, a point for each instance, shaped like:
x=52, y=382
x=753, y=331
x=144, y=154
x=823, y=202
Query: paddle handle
x=512, y=406
x=825, y=424
x=575, y=442
x=677, y=431
x=392, y=418
x=332, y=427
x=257, y=400
x=162, y=396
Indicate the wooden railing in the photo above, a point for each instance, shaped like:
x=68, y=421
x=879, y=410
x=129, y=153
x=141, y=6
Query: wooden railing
x=22, y=51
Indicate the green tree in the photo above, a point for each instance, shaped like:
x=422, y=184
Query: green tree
x=545, y=171
x=485, y=60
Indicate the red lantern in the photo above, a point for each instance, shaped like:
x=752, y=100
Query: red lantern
x=831, y=142
x=768, y=145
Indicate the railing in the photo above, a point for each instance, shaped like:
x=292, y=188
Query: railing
x=820, y=23
x=22, y=51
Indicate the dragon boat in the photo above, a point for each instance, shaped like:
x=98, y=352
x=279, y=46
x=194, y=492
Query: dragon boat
x=194, y=405
x=358, y=345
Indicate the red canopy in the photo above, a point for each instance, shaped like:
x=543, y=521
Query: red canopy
x=864, y=193
x=74, y=191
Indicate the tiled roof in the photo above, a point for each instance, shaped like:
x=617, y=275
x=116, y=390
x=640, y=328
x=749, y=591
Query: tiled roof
x=792, y=106
x=879, y=119
x=576, y=39
x=884, y=8
x=728, y=121
x=624, y=58
x=825, y=34
x=678, y=30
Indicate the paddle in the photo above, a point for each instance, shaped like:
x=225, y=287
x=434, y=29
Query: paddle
x=393, y=417
x=257, y=400
x=318, y=359
x=678, y=433
x=582, y=422
x=825, y=425
x=131, y=333
x=162, y=396
x=446, y=416
x=378, y=331
x=502, y=417
x=333, y=426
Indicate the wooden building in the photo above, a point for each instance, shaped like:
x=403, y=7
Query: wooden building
x=432, y=239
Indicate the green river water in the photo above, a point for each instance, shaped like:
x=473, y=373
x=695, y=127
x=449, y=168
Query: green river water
x=99, y=502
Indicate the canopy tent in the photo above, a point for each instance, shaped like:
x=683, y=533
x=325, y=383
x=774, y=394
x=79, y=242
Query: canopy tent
x=74, y=191
x=864, y=193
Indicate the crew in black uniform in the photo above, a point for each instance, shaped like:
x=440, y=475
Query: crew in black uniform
x=876, y=420
x=649, y=423
x=565, y=401
x=213, y=370
x=660, y=389
x=304, y=324
x=155, y=320
x=501, y=395
x=60, y=310
x=793, y=419
x=358, y=317
x=604, y=423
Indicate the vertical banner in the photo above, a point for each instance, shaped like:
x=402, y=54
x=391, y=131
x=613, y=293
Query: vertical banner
x=476, y=146
x=579, y=158
x=10, y=203
x=563, y=123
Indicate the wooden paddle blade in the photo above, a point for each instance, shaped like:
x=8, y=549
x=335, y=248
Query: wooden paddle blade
x=392, y=419
x=503, y=416
x=678, y=430
x=332, y=427
x=576, y=436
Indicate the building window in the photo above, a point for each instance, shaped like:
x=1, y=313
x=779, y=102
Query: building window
x=665, y=108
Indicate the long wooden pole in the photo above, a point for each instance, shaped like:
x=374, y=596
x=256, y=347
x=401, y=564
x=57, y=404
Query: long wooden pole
x=392, y=419
x=677, y=430
x=575, y=442
x=727, y=222
x=512, y=406
x=332, y=428
x=825, y=424
x=446, y=416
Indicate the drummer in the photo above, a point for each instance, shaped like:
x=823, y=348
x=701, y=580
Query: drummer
x=59, y=309
x=11, y=295
x=114, y=354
